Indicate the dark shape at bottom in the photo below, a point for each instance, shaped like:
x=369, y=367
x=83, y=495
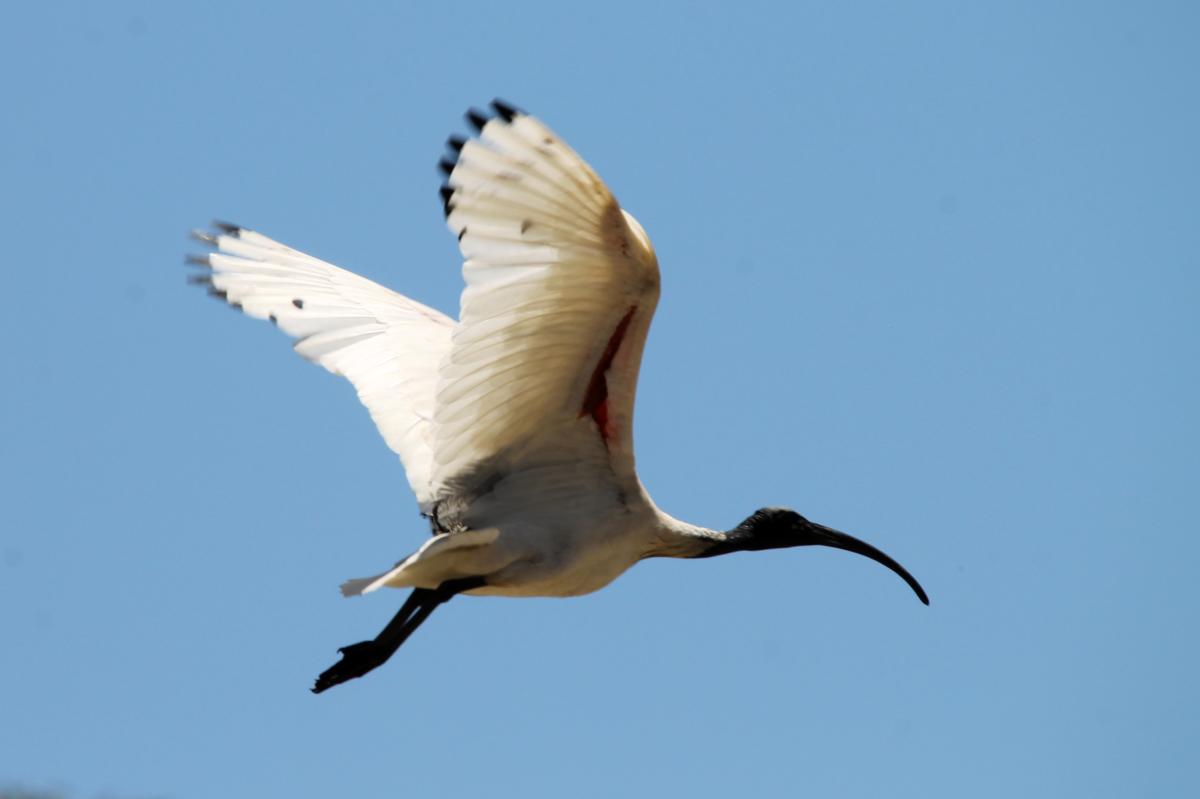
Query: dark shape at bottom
x=365, y=656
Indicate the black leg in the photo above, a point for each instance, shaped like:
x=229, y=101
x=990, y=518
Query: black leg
x=358, y=659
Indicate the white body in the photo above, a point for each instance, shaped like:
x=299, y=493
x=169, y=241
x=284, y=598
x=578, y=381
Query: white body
x=528, y=478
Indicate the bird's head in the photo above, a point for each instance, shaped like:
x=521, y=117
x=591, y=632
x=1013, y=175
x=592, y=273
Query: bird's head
x=776, y=528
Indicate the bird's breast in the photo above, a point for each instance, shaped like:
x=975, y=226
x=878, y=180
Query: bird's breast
x=569, y=563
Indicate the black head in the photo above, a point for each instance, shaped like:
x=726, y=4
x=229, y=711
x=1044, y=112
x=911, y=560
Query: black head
x=776, y=528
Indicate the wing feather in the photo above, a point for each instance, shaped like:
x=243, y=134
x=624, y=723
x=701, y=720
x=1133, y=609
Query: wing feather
x=387, y=345
x=561, y=286
x=552, y=266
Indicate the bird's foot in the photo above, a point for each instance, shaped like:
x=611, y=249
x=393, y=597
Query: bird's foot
x=357, y=660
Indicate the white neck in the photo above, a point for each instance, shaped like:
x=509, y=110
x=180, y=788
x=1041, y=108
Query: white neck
x=678, y=539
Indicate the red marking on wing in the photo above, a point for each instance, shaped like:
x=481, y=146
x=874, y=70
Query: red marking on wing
x=595, y=401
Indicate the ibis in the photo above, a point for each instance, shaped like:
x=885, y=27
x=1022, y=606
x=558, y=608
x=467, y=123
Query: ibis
x=514, y=423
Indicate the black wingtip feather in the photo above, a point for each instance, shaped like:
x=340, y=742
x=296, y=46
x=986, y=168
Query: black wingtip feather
x=446, y=166
x=446, y=192
x=197, y=260
x=227, y=227
x=476, y=118
x=506, y=111
x=456, y=143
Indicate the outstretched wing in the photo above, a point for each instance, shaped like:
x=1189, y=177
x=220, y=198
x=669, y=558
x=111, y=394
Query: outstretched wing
x=561, y=287
x=387, y=345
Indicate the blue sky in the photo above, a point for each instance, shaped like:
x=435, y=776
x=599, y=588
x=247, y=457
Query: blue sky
x=931, y=276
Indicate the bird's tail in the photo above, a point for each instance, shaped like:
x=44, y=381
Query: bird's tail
x=439, y=560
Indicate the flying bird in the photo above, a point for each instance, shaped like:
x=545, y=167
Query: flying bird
x=514, y=423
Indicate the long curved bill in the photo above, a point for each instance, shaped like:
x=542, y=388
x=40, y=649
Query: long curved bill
x=828, y=537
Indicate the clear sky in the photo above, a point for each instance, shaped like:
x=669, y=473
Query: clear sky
x=931, y=275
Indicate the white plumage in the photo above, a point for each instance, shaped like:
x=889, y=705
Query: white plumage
x=514, y=424
x=388, y=346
